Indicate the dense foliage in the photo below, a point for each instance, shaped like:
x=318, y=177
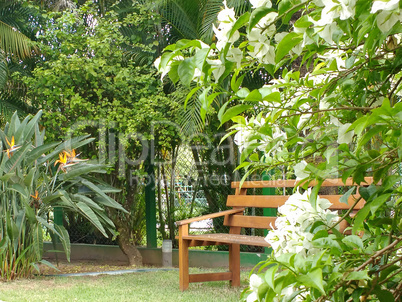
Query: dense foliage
x=333, y=109
x=35, y=178
x=96, y=78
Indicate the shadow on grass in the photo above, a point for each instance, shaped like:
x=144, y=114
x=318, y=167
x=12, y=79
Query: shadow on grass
x=157, y=285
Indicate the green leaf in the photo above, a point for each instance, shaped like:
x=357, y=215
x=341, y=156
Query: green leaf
x=378, y=202
x=64, y=239
x=87, y=200
x=82, y=169
x=200, y=57
x=38, y=152
x=37, y=240
x=189, y=96
x=29, y=129
x=186, y=71
x=87, y=212
x=254, y=96
x=345, y=197
x=353, y=241
x=236, y=82
x=203, y=97
x=28, y=180
x=222, y=110
x=286, y=44
x=257, y=15
x=360, y=217
x=49, y=226
x=313, y=279
x=359, y=275
x=270, y=276
x=384, y=295
x=234, y=111
x=107, y=201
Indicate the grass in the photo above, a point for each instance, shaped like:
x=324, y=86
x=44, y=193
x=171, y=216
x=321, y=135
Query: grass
x=160, y=286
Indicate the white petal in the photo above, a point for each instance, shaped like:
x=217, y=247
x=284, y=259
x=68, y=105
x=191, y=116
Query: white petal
x=345, y=137
x=299, y=170
x=384, y=5
x=386, y=20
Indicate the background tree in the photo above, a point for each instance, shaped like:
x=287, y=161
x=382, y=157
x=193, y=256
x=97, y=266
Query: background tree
x=89, y=84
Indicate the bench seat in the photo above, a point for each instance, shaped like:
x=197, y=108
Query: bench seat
x=225, y=239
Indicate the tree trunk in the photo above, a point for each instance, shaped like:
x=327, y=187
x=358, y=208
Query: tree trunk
x=128, y=248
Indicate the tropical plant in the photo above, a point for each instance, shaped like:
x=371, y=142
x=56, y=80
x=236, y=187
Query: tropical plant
x=35, y=178
x=18, y=26
x=338, y=116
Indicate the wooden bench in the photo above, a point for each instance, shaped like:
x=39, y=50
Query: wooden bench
x=236, y=220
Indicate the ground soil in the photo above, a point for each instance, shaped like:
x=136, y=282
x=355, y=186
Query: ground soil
x=82, y=266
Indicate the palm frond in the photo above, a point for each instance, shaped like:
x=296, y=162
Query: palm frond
x=190, y=119
x=240, y=6
x=182, y=16
x=9, y=105
x=208, y=14
x=14, y=42
x=3, y=69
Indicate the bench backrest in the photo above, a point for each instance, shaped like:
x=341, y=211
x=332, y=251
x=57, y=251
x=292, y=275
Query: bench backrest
x=241, y=199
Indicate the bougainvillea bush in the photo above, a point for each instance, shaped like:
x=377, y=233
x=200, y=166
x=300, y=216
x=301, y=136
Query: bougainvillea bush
x=328, y=106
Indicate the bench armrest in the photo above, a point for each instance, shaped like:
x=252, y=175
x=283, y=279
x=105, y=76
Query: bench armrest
x=209, y=216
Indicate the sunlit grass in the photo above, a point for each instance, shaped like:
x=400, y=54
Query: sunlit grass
x=150, y=286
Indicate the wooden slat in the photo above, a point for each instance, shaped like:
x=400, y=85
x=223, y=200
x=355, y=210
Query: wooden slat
x=209, y=216
x=291, y=183
x=256, y=201
x=211, y=277
x=275, y=201
x=257, y=222
x=220, y=239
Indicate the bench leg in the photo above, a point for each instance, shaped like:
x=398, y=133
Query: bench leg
x=234, y=264
x=183, y=264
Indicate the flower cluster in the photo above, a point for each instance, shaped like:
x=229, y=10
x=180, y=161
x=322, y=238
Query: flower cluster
x=292, y=234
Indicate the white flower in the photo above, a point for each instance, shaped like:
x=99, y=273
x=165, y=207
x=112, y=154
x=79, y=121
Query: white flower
x=323, y=203
x=343, y=9
x=268, y=19
x=255, y=282
x=235, y=55
x=345, y=136
x=299, y=170
x=297, y=216
x=252, y=297
x=217, y=68
x=338, y=55
x=323, y=105
x=261, y=3
x=197, y=74
x=226, y=15
x=386, y=20
x=389, y=15
x=263, y=52
x=326, y=31
x=384, y=5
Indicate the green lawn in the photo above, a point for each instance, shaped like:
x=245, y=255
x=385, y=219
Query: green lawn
x=158, y=286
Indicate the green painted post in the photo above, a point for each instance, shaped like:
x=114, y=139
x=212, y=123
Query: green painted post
x=58, y=216
x=268, y=212
x=150, y=205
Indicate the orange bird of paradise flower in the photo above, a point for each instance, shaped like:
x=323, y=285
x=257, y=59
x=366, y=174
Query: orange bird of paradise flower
x=36, y=200
x=12, y=147
x=67, y=159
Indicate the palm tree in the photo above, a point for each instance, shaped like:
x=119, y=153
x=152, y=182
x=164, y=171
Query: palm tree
x=16, y=46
